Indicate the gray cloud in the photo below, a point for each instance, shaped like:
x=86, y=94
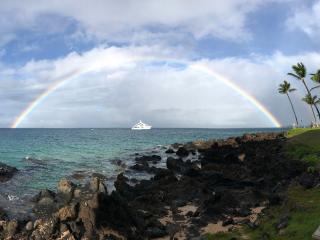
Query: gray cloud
x=130, y=20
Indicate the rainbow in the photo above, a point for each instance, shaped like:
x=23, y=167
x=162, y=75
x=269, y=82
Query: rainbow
x=198, y=66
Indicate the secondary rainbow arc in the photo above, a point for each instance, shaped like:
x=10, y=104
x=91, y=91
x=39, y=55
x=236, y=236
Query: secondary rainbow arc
x=193, y=65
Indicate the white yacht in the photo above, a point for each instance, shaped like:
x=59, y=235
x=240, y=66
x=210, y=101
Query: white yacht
x=141, y=126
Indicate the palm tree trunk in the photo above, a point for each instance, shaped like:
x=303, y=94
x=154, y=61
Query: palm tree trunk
x=315, y=120
x=294, y=112
x=315, y=105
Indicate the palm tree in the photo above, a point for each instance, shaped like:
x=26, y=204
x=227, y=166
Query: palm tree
x=316, y=78
x=300, y=73
x=285, y=88
x=312, y=101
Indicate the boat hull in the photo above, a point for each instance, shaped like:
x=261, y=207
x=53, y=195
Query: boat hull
x=144, y=128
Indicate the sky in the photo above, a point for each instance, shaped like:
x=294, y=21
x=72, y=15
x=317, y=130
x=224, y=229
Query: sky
x=110, y=63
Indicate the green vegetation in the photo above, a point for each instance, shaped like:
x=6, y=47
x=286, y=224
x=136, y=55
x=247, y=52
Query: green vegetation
x=303, y=209
x=304, y=144
x=302, y=206
x=285, y=88
x=300, y=73
x=297, y=131
x=312, y=101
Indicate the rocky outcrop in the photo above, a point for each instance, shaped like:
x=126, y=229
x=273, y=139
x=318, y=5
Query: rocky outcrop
x=226, y=184
x=6, y=172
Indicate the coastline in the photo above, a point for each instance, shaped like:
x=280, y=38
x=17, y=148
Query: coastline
x=204, y=187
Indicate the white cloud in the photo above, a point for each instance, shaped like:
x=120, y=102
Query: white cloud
x=306, y=19
x=126, y=20
x=109, y=88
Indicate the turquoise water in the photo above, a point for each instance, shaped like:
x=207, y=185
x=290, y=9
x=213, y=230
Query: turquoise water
x=43, y=156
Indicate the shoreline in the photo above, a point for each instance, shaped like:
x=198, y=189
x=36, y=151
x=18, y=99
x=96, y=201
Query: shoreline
x=223, y=184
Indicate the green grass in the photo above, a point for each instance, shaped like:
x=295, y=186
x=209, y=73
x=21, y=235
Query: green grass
x=297, y=131
x=304, y=144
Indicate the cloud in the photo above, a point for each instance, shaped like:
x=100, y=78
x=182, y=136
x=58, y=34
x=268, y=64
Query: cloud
x=130, y=20
x=107, y=87
x=306, y=19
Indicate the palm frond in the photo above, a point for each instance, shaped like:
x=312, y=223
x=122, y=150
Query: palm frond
x=294, y=75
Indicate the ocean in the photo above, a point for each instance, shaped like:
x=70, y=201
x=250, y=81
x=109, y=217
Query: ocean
x=43, y=156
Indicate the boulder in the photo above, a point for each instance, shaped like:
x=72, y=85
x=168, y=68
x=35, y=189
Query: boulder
x=100, y=175
x=44, y=228
x=46, y=201
x=65, y=186
x=29, y=226
x=45, y=193
x=170, y=151
x=182, y=152
x=65, y=191
x=174, y=163
x=87, y=215
x=96, y=185
x=67, y=213
x=6, y=172
x=146, y=159
x=140, y=167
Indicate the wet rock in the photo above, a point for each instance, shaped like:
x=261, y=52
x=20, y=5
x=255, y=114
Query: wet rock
x=101, y=176
x=140, y=167
x=182, y=152
x=170, y=151
x=78, y=175
x=6, y=172
x=146, y=159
